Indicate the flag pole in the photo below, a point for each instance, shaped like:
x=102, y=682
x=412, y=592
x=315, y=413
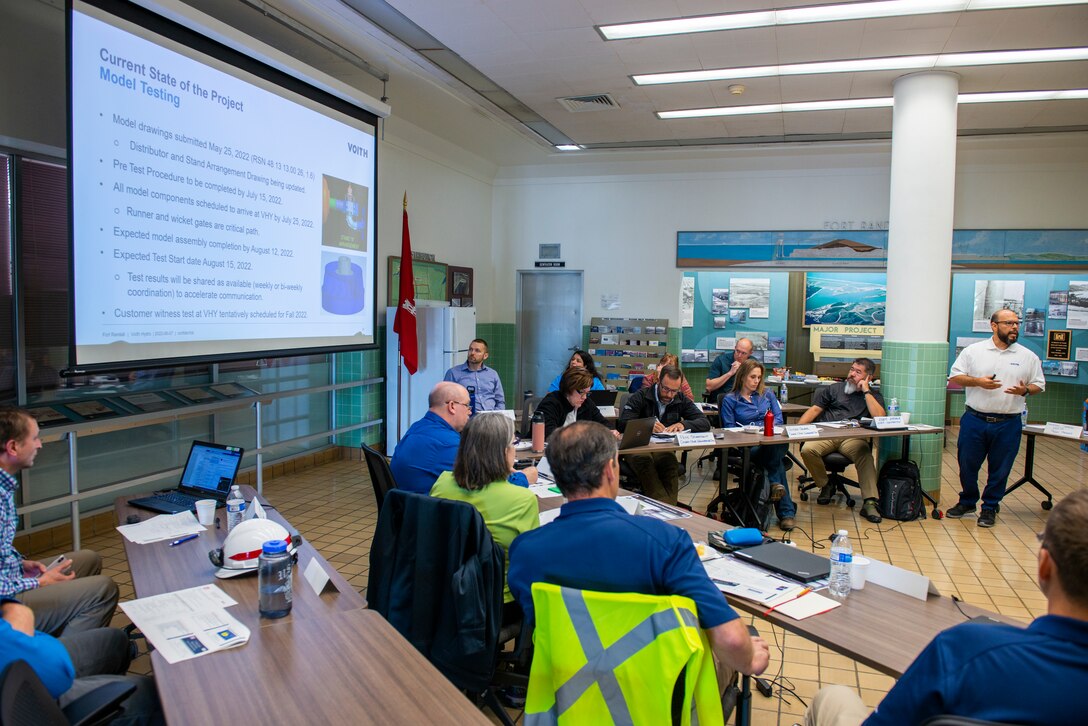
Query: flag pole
x=400, y=359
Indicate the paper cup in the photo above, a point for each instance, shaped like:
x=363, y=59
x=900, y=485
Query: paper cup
x=906, y=417
x=205, y=511
x=859, y=568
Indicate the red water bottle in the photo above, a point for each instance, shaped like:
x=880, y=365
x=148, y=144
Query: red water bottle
x=768, y=423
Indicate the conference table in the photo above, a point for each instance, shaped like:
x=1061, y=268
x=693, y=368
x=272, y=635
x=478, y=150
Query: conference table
x=877, y=627
x=1030, y=433
x=328, y=661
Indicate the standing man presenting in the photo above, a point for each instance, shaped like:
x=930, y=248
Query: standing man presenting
x=725, y=367
x=482, y=382
x=849, y=399
x=69, y=598
x=997, y=374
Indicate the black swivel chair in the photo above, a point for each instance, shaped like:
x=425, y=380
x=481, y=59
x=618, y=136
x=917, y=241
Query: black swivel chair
x=528, y=407
x=381, y=476
x=24, y=701
x=835, y=463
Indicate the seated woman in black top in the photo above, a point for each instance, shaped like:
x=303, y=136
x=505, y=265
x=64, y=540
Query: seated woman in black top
x=568, y=404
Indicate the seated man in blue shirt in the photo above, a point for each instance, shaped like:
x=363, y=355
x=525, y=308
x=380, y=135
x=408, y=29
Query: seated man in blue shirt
x=1003, y=673
x=65, y=681
x=487, y=394
x=595, y=545
x=429, y=446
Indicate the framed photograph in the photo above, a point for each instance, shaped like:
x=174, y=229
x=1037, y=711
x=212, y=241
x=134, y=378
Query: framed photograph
x=430, y=280
x=459, y=282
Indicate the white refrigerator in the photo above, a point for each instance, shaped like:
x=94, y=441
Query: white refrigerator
x=443, y=334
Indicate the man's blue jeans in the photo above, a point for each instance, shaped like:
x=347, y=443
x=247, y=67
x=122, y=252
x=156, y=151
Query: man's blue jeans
x=997, y=443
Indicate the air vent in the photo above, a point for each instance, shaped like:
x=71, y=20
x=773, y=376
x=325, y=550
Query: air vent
x=596, y=102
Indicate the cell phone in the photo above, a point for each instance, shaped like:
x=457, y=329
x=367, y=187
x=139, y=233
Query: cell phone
x=59, y=562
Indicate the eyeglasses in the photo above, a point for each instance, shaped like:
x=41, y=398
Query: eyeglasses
x=666, y=389
x=458, y=403
x=583, y=394
x=1009, y=323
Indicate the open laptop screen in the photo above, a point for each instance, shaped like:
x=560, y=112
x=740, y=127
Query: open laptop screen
x=211, y=467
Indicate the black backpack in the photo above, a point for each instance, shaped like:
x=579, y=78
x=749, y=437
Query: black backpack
x=899, y=486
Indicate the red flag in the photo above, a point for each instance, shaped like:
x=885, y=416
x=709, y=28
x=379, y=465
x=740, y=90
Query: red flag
x=404, y=324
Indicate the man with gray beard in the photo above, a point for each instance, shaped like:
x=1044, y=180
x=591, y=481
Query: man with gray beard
x=849, y=399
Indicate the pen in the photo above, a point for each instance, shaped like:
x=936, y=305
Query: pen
x=176, y=542
x=806, y=591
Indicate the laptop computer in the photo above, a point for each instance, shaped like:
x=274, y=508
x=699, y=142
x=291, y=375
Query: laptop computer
x=603, y=398
x=637, y=433
x=209, y=473
x=785, y=560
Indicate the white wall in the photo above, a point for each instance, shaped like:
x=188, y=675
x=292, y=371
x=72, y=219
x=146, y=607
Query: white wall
x=618, y=220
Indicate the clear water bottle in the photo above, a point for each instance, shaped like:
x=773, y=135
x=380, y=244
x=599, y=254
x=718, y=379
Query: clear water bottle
x=842, y=557
x=1024, y=417
x=274, y=579
x=236, y=507
x=783, y=393
x=893, y=407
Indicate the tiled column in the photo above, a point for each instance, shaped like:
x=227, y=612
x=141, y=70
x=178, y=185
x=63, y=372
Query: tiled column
x=923, y=173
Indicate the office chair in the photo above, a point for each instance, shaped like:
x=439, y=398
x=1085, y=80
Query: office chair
x=381, y=476
x=437, y=576
x=836, y=463
x=528, y=407
x=24, y=701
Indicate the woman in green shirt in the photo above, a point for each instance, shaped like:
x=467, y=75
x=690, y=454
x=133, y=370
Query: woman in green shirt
x=484, y=460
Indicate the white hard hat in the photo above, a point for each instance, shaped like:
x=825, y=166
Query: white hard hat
x=243, y=546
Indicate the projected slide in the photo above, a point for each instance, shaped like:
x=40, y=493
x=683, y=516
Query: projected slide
x=214, y=213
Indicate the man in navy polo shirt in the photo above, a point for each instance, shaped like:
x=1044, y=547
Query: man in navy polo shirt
x=993, y=672
x=429, y=446
x=595, y=545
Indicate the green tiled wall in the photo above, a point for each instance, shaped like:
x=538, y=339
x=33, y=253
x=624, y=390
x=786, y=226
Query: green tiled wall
x=1059, y=403
x=356, y=405
x=916, y=374
x=502, y=348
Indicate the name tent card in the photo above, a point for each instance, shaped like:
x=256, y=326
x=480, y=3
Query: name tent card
x=689, y=438
x=800, y=432
x=1071, y=431
x=888, y=422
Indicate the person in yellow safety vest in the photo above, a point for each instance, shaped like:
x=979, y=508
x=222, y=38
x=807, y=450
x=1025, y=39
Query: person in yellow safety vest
x=594, y=544
x=616, y=657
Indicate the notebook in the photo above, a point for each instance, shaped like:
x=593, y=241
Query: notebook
x=637, y=433
x=785, y=560
x=209, y=473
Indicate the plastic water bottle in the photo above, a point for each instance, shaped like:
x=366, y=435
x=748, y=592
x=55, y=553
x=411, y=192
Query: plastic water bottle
x=274, y=579
x=1024, y=417
x=236, y=507
x=783, y=393
x=842, y=557
x=893, y=407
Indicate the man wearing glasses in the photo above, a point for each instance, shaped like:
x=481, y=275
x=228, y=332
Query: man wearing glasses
x=429, y=446
x=675, y=412
x=997, y=374
x=996, y=672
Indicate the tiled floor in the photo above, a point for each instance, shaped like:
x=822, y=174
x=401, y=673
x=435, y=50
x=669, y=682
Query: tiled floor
x=333, y=506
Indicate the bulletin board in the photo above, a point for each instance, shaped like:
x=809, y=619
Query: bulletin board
x=720, y=317
x=430, y=279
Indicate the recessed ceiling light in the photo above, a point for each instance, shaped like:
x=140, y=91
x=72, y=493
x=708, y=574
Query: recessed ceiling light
x=861, y=65
x=814, y=14
x=568, y=147
x=855, y=103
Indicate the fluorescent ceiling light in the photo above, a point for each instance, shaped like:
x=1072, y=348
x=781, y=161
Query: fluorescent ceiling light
x=568, y=147
x=855, y=103
x=815, y=14
x=897, y=63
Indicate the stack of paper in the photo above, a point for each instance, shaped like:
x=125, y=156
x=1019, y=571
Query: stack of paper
x=187, y=623
x=750, y=582
x=162, y=527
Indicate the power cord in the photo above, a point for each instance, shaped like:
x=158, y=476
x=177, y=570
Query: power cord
x=816, y=544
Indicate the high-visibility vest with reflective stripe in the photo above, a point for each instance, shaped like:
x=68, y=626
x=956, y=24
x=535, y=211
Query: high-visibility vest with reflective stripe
x=603, y=658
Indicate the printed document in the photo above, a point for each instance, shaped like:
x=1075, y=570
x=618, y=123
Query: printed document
x=188, y=623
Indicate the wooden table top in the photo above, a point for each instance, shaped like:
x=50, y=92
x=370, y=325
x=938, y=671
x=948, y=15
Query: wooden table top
x=329, y=661
x=878, y=627
x=348, y=667
x=157, y=568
